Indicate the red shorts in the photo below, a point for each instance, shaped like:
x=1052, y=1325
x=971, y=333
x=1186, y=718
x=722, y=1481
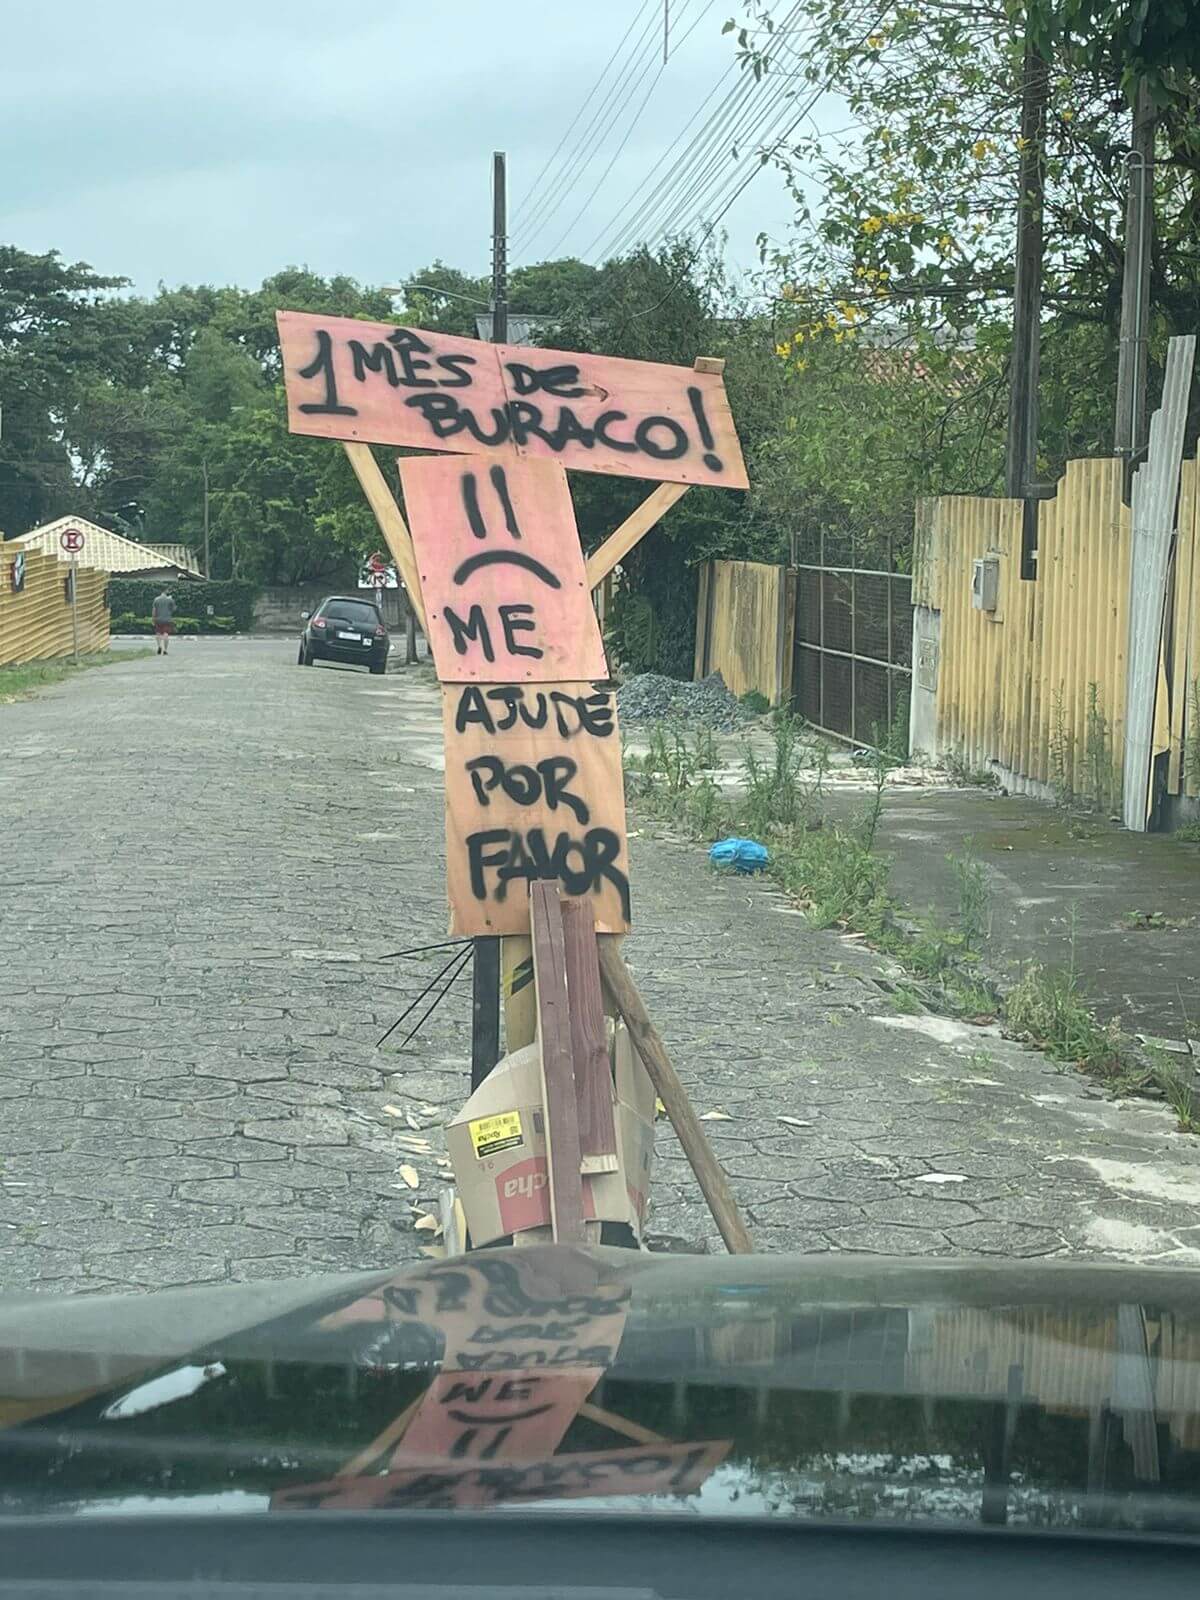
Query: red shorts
x=162, y=629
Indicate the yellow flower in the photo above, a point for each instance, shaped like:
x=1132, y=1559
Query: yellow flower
x=801, y=366
x=945, y=242
x=783, y=349
x=872, y=225
x=982, y=148
x=876, y=41
x=1068, y=116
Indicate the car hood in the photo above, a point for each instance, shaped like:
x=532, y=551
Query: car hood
x=1042, y=1393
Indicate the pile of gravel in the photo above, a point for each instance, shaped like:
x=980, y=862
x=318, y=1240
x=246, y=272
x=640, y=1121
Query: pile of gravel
x=650, y=697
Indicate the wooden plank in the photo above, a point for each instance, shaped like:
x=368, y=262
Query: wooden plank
x=622, y=1425
x=527, y=801
x=703, y=621
x=649, y=1045
x=516, y=992
x=558, y=1079
x=391, y=524
x=501, y=571
x=635, y=528
x=382, y=383
x=589, y=1041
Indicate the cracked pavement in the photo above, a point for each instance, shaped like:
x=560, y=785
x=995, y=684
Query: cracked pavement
x=205, y=858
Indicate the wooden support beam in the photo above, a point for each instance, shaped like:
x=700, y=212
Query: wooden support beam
x=635, y=528
x=388, y=1439
x=650, y=1047
x=622, y=1425
x=558, y=1078
x=589, y=1042
x=391, y=523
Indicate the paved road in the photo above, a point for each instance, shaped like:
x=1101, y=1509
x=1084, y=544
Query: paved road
x=204, y=858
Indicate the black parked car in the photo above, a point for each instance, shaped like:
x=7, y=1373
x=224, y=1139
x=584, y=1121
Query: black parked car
x=345, y=628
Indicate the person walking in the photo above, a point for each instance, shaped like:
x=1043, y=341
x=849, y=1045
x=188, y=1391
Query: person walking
x=162, y=614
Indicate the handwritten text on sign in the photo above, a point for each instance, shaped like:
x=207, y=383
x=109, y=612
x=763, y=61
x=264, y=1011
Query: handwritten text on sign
x=502, y=572
x=665, y=1469
x=385, y=384
x=533, y=790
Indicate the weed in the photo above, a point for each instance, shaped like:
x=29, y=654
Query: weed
x=1144, y=921
x=907, y=1002
x=974, y=919
x=968, y=997
x=1176, y=1087
x=1062, y=753
x=1097, y=753
x=1048, y=1007
x=705, y=753
x=755, y=702
x=704, y=807
x=1188, y=834
x=968, y=777
x=1192, y=757
x=776, y=799
x=836, y=878
x=17, y=682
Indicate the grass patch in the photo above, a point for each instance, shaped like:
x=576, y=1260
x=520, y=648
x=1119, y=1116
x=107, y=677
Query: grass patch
x=20, y=682
x=1188, y=834
x=1047, y=1008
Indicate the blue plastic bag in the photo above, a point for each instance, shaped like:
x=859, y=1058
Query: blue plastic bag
x=742, y=855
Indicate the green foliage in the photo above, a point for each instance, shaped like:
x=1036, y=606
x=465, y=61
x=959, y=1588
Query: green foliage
x=754, y=701
x=24, y=679
x=127, y=622
x=1048, y=1007
x=232, y=601
x=1158, y=40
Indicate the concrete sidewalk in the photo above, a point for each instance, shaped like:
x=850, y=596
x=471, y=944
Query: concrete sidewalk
x=1124, y=908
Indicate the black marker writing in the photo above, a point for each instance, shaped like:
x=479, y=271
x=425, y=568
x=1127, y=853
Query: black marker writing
x=659, y=437
x=579, y=864
x=515, y=617
x=527, y=785
x=696, y=397
x=498, y=709
x=514, y=558
x=322, y=363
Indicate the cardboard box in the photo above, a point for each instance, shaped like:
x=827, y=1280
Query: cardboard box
x=497, y=1147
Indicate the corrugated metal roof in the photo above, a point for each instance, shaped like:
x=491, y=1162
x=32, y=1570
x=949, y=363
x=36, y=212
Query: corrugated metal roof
x=1154, y=499
x=178, y=555
x=108, y=552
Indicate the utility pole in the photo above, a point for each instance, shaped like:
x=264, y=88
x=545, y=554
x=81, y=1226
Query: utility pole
x=666, y=30
x=1021, y=457
x=485, y=972
x=207, y=568
x=1129, y=434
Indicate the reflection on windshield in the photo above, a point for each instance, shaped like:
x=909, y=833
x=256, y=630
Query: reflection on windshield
x=513, y=1377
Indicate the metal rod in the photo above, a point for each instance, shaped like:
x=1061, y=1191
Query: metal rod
x=437, y=1000
x=412, y=1006
x=863, y=572
x=845, y=655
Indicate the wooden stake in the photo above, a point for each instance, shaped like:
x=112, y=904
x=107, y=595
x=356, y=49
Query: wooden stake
x=390, y=1436
x=391, y=523
x=558, y=1078
x=649, y=1045
x=635, y=528
x=622, y=1425
x=589, y=1043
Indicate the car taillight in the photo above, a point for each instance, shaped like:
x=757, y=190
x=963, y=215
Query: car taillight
x=318, y=622
x=381, y=632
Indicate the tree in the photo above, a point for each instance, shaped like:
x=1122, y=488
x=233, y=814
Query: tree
x=51, y=348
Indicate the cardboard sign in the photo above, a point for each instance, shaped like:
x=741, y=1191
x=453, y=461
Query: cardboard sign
x=663, y=1469
x=533, y=790
x=496, y=1416
x=385, y=384
x=552, y=1308
x=502, y=573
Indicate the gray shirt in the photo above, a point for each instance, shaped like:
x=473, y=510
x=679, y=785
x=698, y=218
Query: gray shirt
x=163, y=609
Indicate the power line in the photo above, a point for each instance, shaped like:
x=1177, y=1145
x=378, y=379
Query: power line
x=822, y=89
x=616, y=155
x=737, y=116
x=579, y=154
x=527, y=198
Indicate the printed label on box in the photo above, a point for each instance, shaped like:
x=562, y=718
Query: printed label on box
x=500, y=1132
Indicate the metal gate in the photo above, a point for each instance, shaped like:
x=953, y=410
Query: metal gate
x=852, y=653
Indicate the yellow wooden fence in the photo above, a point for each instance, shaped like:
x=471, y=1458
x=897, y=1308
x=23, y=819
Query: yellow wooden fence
x=1036, y=687
x=744, y=625
x=35, y=624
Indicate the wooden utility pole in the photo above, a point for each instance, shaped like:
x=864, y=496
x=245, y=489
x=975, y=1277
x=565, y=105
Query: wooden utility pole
x=1021, y=459
x=485, y=972
x=1130, y=432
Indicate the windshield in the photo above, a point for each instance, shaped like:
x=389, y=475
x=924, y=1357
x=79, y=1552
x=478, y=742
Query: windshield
x=672, y=987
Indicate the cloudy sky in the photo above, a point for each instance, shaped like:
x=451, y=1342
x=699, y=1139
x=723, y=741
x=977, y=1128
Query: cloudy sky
x=219, y=140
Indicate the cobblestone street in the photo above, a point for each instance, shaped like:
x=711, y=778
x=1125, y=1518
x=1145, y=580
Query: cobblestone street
x=205, y=858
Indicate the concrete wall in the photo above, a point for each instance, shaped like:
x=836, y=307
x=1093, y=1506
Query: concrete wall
x=278, y=607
